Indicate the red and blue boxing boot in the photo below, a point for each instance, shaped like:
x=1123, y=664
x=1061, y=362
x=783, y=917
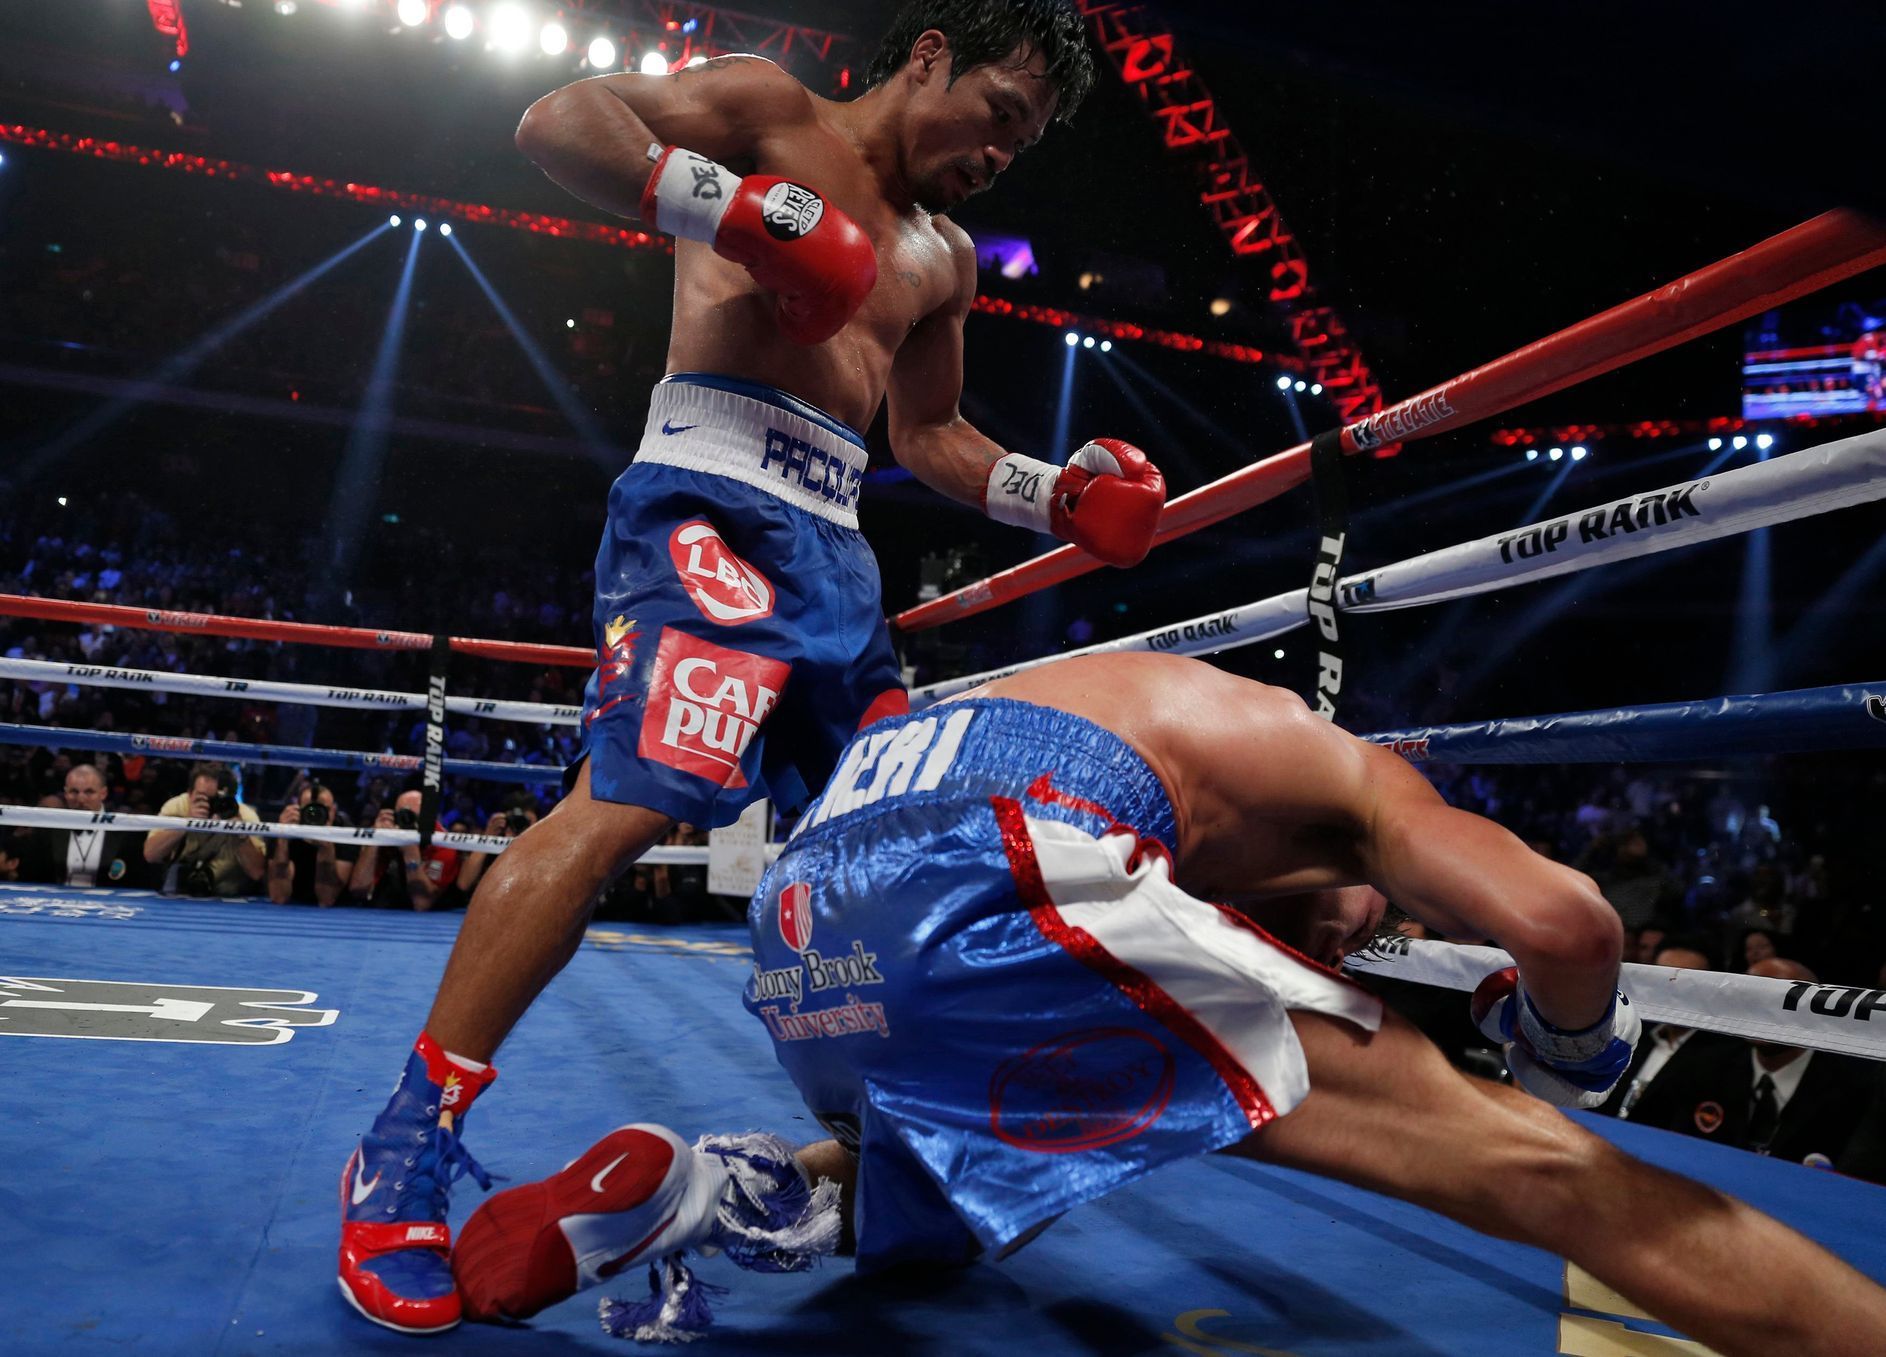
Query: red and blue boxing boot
x=395, y=1258
x=642, y=1197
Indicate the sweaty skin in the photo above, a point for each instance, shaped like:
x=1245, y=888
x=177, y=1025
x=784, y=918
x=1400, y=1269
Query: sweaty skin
x=1273, y=801
x=894, y=160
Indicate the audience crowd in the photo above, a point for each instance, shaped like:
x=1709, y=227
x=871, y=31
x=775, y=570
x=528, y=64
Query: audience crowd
x=1760, y=869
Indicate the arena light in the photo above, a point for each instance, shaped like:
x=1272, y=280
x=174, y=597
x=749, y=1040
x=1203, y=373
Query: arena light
x=445, y=228
x=653, y=63
x=554, y=39
x=1715, y=445
x=1556, y=454
x=1532, y=454
x=1738, y=442
x=1301, y=386
x=1106, y=346
x=393, y=220
x=695, y=60
x=1276, y=654
x=510, y=28
x=459, y=23
x=1071, y=338
x=1283, y=383
x=569, y=324
x=413, y=13
x=1764, y=441
x=1578, y=454
x=176, y=64
x=419, y=223
x=1220, y=306
x=602, y=54
x=1088, y=342
x=1316, y=388
x=286, y=8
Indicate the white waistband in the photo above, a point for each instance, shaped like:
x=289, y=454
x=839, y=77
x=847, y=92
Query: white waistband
x=722, y=433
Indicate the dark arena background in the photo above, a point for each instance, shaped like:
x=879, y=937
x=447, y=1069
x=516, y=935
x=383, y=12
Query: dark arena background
x=291, y=332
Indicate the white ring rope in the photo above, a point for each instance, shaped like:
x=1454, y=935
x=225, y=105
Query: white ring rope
x=1832, y=476
x=53, y=818
x=306, y=694
x=1847, y=1019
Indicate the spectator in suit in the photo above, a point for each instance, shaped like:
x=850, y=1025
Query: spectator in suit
x=1783, y=1101
x=81, y=857
x=1666, y=1048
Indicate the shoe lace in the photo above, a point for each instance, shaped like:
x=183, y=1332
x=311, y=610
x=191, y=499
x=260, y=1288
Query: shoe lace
x=441, y=1162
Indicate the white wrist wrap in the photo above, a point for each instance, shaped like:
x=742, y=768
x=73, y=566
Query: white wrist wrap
x=692, y=194
x=1019, y=490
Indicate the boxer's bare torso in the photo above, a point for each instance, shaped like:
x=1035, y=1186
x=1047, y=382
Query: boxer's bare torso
x=723, y=320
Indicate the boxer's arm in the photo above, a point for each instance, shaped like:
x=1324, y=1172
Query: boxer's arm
x=592, y=137
x=929, y=436
x=1467, y=877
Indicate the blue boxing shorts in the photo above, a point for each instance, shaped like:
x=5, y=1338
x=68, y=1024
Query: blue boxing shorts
x=973, y=963
x=740, y=636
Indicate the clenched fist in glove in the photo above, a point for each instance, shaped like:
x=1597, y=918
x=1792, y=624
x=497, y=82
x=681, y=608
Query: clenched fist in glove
x=1106, y=500
x=1566, y=1069
x=797, y=246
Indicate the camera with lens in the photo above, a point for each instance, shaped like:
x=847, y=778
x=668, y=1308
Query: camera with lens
x=315, y=812
x=404, y=818
x=222, y=801
x=198, y=878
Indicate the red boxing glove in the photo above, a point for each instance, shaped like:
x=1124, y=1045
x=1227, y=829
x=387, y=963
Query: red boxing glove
x=811, y=256
x=1106, y=500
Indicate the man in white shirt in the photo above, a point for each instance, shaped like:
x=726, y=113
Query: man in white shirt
x=1661, y=1043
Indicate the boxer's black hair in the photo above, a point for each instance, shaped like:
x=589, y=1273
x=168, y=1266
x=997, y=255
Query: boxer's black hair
x=984, y=31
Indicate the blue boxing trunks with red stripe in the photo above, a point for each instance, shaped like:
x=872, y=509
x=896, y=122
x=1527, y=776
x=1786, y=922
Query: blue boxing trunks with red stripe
x=740, y=633
x=973, y=963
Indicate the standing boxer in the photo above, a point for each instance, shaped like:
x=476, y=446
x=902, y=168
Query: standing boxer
x=740, y=636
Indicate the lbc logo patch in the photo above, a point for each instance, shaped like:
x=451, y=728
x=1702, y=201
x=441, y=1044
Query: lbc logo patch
x=705, y=704
x=725, y=588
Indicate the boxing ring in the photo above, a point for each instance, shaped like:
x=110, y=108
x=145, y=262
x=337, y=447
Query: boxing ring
x=184, y=1077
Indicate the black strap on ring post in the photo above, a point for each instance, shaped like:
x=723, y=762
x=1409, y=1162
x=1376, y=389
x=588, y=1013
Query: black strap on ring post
x=433, y=788
x=1332, y=519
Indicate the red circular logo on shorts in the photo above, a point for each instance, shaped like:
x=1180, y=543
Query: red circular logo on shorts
x=1709, y=1118
x=1081, y=1091
x=795, y=915
x=725, y=588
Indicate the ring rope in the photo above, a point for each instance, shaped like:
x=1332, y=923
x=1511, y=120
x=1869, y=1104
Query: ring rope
x=49, y=817
x=1837, y=475
x=298, y=633
x=234, y=751
x=1805, y=720
x=1813, y=255
x=306, y=694
x=1839, y=1018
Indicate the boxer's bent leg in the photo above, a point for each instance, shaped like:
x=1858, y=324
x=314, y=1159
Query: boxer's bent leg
x=1388, y=1113
x=528, y=914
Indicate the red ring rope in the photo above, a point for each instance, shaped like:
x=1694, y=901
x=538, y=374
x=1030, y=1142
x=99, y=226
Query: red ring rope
x=1819, y=252
x=300, y=633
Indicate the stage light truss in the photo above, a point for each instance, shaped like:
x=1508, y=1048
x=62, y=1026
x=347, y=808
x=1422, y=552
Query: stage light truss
x=1147, y=58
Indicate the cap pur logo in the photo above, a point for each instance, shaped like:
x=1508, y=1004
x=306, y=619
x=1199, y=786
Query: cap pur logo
x=795, y=915
x=1709, y=1118
x=1081, y=1091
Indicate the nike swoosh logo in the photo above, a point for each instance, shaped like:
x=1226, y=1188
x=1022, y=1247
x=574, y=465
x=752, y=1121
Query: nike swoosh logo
x=363, y=1189
x=595, y=1184
x=668, y=428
